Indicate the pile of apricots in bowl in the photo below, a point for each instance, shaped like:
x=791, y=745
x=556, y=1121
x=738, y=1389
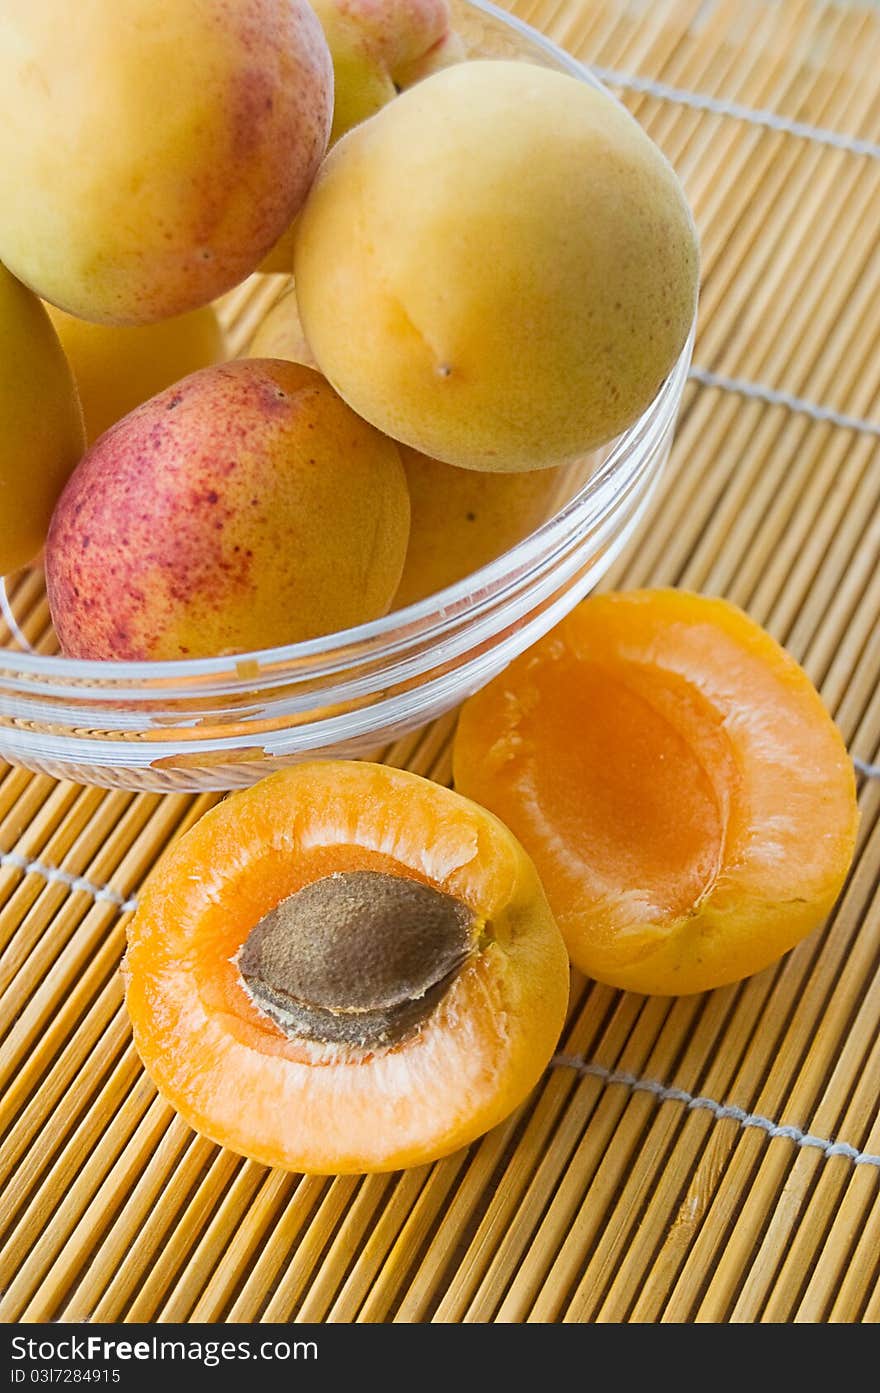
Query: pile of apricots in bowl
x=491, y=271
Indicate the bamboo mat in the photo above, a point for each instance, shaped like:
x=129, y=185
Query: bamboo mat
x=712, y=1159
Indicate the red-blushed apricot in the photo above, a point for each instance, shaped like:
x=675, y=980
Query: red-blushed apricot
x=686, y=797
x=153, y=151
x=244, y=507
x=345, y=968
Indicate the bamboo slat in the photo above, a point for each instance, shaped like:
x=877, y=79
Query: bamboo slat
x=710, y=1159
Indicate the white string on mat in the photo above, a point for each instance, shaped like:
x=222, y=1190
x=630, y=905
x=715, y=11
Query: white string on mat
x=754, y=116
x=721, y=1111
x=870, y=771
x=758, y=391
x=73, y=882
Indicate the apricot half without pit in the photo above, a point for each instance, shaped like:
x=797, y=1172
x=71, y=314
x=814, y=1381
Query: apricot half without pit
x=686, y=796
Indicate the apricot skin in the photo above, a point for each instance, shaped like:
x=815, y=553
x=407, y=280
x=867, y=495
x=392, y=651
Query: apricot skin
x=280, y=334
x=461, y=519
x=152, y=151
x=244, y=507
x=498, y=269
x=116, y=369
x=235, y=1076
x=687, y=799
x=40, y=420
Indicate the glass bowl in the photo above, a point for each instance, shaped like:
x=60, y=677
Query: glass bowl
x=221, y=723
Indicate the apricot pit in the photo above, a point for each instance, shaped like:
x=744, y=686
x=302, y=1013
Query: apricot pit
x=357, y=957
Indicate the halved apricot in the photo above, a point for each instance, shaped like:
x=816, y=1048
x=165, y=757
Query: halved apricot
x=682, y=789
x=345, y=968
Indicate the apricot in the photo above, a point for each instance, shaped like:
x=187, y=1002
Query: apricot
x=374, y=43
x=686, y=797
x=152, y=151
x=499, y=268
x=461, y=519
x=244, y=507
x=40, y=422
x=116, y=368
x=345, y=968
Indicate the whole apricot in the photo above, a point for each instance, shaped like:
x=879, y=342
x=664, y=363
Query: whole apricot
x=684, y=792
x=152, y=151
x=499, y=268
x=244, y=507
x=41, y=423
x=118, y=367
x=345, y=968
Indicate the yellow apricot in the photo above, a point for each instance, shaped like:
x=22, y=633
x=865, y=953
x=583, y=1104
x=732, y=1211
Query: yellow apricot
x=499, y=268
x=280, y=334
x=41, y=423
x=460, y=519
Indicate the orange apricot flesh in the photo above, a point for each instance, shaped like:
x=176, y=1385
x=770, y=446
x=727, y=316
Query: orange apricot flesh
x=682, y=789
x=327, y=1108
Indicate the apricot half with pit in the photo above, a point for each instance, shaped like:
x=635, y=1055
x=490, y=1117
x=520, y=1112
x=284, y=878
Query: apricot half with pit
x=682, y=788
x=345, y=968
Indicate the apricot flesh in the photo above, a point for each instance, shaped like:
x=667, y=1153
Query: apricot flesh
x=687, y=798
x=40, y=420
x=152, y=151
x=244, y=507
x=117, y=368
x=239, y=1078
x=499, y=268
